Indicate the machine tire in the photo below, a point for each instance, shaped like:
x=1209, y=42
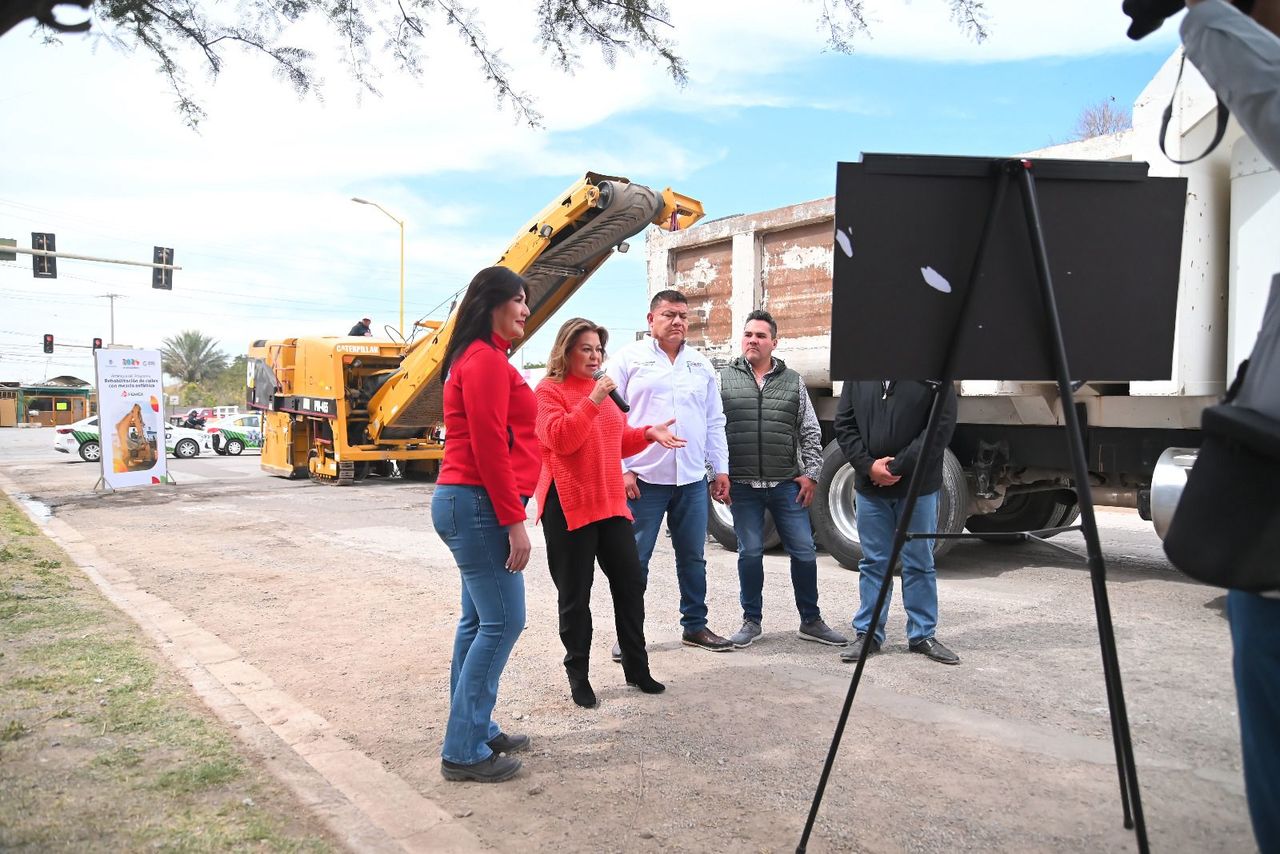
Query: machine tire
x=834, y=509
x=720, y=526
x=235, y=447
x=1027, y=511
x=186, y=449
x=90, y=451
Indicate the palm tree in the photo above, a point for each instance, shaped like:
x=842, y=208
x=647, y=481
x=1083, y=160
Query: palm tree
x=192, y=357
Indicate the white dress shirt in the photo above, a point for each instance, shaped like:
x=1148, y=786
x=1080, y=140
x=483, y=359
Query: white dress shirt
x=659, y=389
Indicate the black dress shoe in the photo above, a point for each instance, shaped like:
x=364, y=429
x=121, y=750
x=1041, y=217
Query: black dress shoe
x=503, y=743
x=582, y=692
x=495, y=769
x=932, y=648
x=647, y=684
x=854, y=650
x=706, y=639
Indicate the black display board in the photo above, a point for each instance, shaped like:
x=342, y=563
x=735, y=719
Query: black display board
x=908, y=228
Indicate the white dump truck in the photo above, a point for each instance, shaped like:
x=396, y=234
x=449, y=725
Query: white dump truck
x=1008, y=468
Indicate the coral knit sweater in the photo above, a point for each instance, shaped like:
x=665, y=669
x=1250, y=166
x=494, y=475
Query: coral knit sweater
x=582, y=450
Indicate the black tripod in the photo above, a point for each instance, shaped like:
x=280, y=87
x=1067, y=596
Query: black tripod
x=1131, y=803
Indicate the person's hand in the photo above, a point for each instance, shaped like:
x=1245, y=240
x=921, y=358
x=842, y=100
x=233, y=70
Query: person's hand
x=807, y=484
x=518, y=537
x=604, y=385
x=661, y=433
x=720, y=489
x=630, y=484
x=880, y=474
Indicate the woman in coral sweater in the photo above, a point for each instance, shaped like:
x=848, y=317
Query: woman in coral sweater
x=582, y=504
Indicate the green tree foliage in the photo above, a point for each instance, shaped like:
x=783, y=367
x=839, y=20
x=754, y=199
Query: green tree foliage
x=224, y=388
x=192, y=357
x=401, y=31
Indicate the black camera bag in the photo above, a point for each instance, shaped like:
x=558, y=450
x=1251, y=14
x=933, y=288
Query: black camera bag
x=1226, y=529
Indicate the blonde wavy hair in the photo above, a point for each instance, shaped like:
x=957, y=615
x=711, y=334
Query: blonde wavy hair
x=558, y=360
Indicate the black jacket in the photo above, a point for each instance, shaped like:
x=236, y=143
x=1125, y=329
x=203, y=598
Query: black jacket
x=871, y=423
x=359, y=329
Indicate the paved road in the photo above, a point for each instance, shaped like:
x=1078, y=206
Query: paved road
x=346, y=599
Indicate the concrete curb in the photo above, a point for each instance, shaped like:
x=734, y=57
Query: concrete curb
x=365, y=806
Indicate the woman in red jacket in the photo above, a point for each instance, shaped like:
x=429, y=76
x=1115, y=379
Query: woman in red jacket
x=490, y=469
x=582, y=504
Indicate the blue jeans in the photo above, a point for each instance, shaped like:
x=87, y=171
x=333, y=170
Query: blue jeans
x=877, y=517
x=1255, y=635
x=792, y=520
x=686, y=510
x=492, y=616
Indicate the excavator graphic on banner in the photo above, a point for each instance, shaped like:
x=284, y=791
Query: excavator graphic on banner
x=337, y=408
x=134, y=451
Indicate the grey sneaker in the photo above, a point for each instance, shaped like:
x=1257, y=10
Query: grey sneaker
x=745, y=635
x=820, y=632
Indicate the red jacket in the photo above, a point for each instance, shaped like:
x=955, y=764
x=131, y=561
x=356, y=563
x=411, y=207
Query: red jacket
x=582, y=450
x=489, y=439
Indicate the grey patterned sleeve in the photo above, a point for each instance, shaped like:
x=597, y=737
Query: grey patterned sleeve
x=810, y=437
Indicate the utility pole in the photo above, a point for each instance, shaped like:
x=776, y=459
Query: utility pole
x=113, y=298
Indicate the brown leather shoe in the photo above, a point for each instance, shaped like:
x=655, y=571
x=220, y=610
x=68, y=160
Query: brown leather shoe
x=706, y=639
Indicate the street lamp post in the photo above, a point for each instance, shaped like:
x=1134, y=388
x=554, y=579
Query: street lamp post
x=400, y=223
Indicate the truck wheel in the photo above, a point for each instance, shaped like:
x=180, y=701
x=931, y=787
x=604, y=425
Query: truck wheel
x=834, y=510
x=1027, y=511
x=720, y=526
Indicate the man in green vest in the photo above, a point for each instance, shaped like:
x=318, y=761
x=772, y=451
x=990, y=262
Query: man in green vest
x=775, y=456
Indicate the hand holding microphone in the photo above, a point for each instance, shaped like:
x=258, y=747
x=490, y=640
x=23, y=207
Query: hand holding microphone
x=605, y=386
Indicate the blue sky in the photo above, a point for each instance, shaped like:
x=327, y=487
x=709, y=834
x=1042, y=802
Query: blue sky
x=257, y=205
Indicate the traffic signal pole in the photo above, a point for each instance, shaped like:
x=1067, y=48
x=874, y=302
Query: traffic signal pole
x=43, y=253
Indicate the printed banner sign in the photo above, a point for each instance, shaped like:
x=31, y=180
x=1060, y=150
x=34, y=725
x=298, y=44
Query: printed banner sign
x=131, y=417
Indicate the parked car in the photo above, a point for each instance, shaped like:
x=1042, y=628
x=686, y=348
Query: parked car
x=82, y=438
x=237, y=434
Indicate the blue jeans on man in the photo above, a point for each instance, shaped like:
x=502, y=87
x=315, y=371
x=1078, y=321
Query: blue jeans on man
x=791, y=518
x=877, y=518
x=492, y=617
x=1256, y=642
x=686, y=510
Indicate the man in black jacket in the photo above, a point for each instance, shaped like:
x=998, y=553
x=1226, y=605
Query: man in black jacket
x=880, y=427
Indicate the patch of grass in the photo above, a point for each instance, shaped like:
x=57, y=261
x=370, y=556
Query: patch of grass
x=119, y=756
x=197, y=776
x=13, y=730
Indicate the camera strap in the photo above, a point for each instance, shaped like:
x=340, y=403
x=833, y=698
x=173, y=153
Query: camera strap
x=1223, y=115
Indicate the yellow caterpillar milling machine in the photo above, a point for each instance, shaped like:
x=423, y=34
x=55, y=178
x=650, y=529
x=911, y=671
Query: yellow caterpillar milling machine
x=334, y=407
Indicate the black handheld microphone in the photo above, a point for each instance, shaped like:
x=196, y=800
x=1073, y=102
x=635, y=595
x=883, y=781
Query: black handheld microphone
x=613, y=395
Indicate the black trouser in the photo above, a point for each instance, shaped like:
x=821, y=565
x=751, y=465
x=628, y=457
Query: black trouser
x=572, y=556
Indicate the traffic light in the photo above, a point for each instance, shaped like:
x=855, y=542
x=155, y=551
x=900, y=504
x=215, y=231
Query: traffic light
x=97, y=343
x=48, y=342
x=160, y=277
x=43, y=266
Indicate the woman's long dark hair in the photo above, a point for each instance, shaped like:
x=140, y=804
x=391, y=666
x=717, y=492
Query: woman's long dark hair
x=490, y=288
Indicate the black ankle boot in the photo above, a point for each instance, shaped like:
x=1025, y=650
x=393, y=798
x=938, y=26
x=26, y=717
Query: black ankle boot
x=647, y=684
x=582, y=693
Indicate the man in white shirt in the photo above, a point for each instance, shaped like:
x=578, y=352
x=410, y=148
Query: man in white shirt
x=661, y=377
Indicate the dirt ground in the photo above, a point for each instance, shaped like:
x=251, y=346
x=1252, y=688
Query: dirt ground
x=348, y=601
